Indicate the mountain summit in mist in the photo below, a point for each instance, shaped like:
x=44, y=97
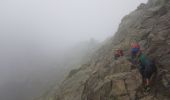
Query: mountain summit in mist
x=103, y=78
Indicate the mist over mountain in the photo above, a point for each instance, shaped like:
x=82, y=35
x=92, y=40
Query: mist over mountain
x=31, y=72
x=42, y=40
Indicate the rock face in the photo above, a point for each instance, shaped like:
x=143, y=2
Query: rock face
x=103, y=78
x=121, y=86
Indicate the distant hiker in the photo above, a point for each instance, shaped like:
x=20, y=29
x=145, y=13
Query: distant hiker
x=118, y=53
x=135, y=48
x=146, y=68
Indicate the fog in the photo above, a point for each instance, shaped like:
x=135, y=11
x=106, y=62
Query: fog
x=38, y=36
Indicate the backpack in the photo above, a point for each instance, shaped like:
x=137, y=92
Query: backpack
x=135, y=45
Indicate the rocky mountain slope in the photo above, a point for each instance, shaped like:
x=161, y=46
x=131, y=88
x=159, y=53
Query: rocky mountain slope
x=103, y=78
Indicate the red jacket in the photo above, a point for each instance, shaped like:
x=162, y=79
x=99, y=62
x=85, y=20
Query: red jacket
x=135, y=45
x=119, y=52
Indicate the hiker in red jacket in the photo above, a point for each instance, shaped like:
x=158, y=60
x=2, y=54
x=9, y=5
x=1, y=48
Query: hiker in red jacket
x=135, y=48
x=118, y=53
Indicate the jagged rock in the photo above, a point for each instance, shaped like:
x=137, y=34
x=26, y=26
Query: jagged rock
x=148, y=98
x=166, y=80
x=120, y=85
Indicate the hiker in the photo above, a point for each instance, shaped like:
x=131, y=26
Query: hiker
x=118, y=53
x=135, y=48
x=146, y=68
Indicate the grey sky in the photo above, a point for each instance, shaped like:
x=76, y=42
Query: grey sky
x=55, y=22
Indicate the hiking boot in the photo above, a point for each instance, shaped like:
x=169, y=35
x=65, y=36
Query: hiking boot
x=147, y=89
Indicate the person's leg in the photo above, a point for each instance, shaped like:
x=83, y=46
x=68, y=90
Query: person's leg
x=147, y=82
x=148, y=75
x=144, y=82
x=148, y=88
x=143, y=76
